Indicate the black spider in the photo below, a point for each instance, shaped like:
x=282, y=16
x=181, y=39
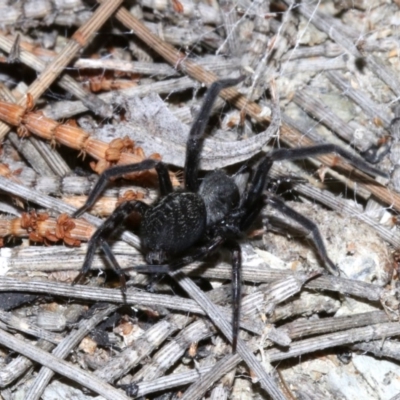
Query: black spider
x=187, y=224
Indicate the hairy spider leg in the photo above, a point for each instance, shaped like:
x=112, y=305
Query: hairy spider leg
x=113, y=262
x=121, y=170
x=311, y=151
x=252, y=196
x=236, y=256
x=195, y=140
x=103, y=231
x=260, y=176
x=310, y=226
x=164, y=180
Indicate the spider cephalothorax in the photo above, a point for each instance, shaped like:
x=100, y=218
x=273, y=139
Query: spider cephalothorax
x=186, y=225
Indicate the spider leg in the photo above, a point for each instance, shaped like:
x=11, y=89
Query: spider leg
x=113, y=262
x=195, y=140
x=120, y=170
x=104, y=230
x=304, y=152
x=260, y=176
x=234, y=248
x=164, y=180
x=309, y=225
x=257, y=184
x=251, y=215
x=252, y=202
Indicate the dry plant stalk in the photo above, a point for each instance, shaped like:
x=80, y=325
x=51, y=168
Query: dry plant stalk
x=118, y=151
x=40, y=228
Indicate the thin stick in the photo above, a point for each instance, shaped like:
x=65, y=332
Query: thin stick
x=61, y=367
x=64, y=348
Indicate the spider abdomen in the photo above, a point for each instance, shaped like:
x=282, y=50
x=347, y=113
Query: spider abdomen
x=173, y=225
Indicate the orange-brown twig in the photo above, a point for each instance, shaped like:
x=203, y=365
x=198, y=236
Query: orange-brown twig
x=7, y=173
x=118, y=151
x=41, y=228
